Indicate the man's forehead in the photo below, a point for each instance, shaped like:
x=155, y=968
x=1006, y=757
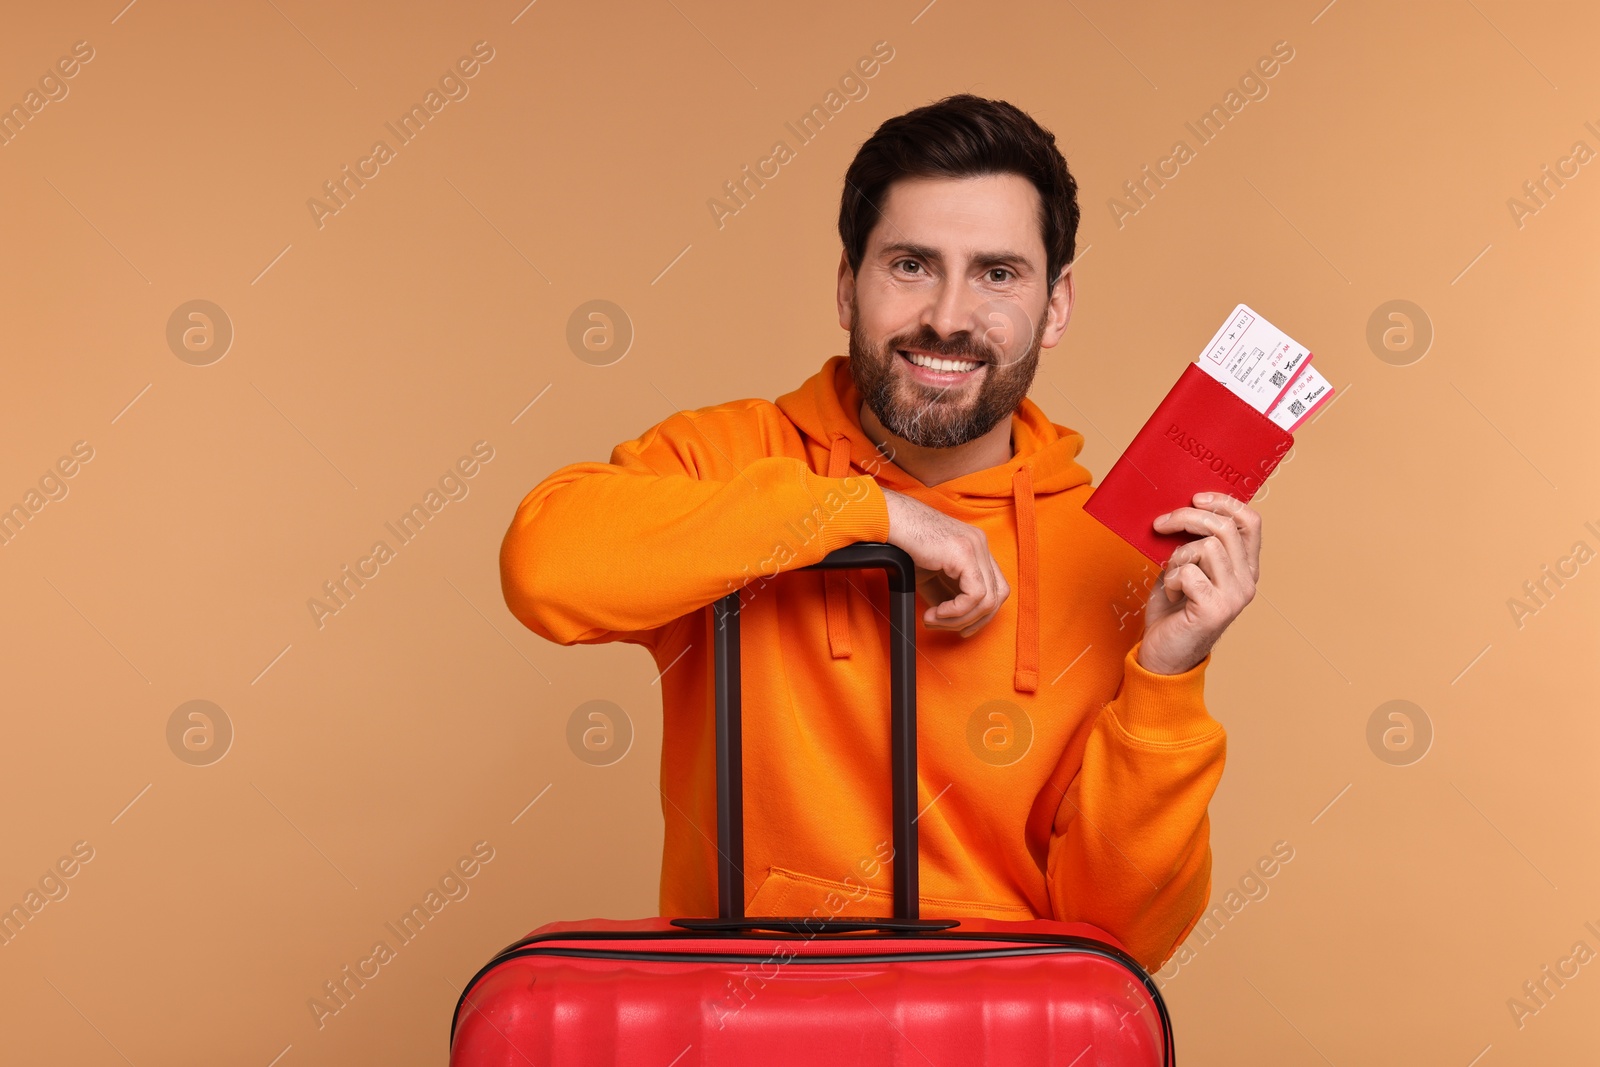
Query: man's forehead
x=989, y=213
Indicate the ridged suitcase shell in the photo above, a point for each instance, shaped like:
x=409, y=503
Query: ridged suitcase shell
x=646, y=993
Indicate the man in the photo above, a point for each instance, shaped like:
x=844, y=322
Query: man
x=1067, y=759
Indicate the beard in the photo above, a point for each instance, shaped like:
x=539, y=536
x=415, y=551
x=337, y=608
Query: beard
x=931, y=416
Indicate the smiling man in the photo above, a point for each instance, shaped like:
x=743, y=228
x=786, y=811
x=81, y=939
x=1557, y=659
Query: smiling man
x=1067, y=758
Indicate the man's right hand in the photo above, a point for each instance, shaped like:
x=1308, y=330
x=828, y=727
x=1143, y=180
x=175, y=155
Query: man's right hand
x=956, y=573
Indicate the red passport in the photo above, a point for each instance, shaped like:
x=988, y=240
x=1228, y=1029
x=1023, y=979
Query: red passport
x=1202, y=438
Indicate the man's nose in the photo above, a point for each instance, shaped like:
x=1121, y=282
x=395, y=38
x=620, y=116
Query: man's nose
x=953, y=310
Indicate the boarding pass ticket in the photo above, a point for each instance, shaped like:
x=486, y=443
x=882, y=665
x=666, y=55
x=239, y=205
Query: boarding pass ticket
x=1307, y=393
x=1265, y=368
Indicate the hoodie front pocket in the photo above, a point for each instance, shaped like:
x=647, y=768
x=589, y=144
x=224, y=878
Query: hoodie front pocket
x=792, y=893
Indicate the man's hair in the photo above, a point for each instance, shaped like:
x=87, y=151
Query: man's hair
x=961, y=136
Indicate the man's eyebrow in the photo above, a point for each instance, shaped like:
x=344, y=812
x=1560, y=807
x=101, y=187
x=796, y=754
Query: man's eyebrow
x=933, y=255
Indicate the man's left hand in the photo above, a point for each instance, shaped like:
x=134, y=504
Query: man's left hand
x=1207, y=582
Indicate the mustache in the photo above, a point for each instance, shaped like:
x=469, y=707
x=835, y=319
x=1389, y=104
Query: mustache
x=965, y=347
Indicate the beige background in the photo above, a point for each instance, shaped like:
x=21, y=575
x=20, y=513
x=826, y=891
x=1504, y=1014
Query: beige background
x=372, y=352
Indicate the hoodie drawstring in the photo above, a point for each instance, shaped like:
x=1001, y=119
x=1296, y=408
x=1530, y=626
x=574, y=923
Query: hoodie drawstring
x=1025, y=679
x=835, y=584
x=1025, y=676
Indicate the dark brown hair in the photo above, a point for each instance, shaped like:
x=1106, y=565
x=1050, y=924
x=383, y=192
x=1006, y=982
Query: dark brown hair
x=959, y=137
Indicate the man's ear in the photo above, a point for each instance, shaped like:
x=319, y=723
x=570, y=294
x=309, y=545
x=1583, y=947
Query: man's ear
x=1059, y=309
x=846, y=290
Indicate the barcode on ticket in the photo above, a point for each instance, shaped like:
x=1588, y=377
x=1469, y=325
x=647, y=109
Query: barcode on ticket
x=1309, y=392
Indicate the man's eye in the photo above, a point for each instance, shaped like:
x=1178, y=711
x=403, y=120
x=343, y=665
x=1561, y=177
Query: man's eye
x=908, y=263
x=999, y=270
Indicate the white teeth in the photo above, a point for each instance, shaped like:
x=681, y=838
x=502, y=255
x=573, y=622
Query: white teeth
x=933, y=363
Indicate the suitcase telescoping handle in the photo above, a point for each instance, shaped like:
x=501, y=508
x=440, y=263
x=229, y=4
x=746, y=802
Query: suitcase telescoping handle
x=902, y=577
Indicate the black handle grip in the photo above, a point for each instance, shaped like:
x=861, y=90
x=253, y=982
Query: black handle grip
x=902, y=577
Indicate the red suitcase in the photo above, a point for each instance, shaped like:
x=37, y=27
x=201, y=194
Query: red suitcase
x=736, y=990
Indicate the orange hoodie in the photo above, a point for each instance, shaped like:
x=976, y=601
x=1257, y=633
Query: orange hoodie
x=1057, y=777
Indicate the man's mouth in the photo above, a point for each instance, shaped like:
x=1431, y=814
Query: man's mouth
x=939, y=364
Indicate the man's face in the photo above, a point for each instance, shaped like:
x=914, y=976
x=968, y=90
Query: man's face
x=953, y=271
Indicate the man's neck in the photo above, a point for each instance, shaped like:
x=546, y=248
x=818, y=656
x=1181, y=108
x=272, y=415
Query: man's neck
x=932, y=466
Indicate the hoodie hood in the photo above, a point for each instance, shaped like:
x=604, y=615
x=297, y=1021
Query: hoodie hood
x=826, y=409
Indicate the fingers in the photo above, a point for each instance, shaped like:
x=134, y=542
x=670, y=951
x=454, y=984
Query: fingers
x=1246, y=522
x=975, y=592
x=1226, y=517
x=982, y=589
x=1230, y=521
x=1208, y=580
x=1189, y=580
x=1218, y=530
x=1213, y=562
x=1001, y=589
x=1210, y=571
x=976, y=599
x=957, y=575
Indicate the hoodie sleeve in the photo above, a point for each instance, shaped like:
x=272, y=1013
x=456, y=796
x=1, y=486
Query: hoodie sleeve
x=1130, y=850
x=615, y=551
